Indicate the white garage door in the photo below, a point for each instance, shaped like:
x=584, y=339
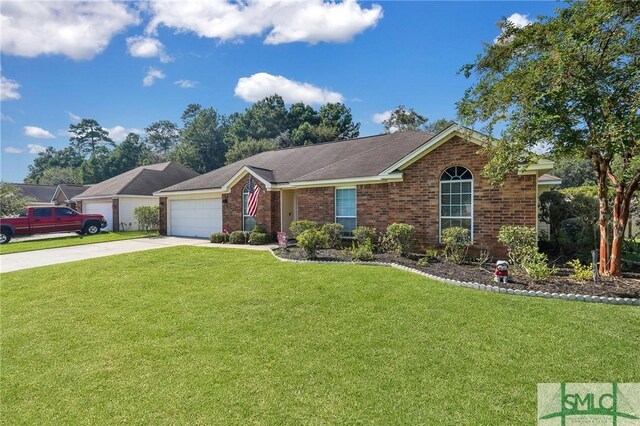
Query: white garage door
x=195, y=218
x=105, y=209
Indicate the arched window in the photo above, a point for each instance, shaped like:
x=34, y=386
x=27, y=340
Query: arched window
x=456, y=199
x=248, y=222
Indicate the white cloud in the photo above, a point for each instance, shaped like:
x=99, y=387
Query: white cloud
x=518, y=20
x=283, y=21
x=8, y=89
x=37, y=132
x=119, y=133
x=35, y=148
x=152, y=75
x=79, y=30
x=381, y=117
x=12, y=150
x=74, y=118
x=186, y=84
x=260, y=85
x=147, y=47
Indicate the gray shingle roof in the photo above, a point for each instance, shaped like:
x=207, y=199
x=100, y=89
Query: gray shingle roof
x=367, y=156
x=39, y=193
x=143, y=180
x=71, y=191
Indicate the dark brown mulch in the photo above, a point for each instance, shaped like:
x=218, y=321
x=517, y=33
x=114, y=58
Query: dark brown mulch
x=627, y=286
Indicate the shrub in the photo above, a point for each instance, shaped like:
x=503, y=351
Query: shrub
x=219, y=237
x=363, y=233
x=297, y=227
x=259, y=229
x=456, y=242
x=258, y=238
x=238, y=237
x=537, y=267
x=362, y=252
x=311, y=241
x=334, y=232
x=148, y=217
x=520, y=241
x=580, y=271
x=399, y=238
x=430, y=256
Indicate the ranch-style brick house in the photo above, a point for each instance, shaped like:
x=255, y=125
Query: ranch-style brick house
x=429, y=181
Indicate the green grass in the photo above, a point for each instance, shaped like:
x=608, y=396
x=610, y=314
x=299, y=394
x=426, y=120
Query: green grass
x=74, y=240
x=192, y=335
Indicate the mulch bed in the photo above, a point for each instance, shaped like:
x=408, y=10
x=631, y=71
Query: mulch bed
x=627, y=286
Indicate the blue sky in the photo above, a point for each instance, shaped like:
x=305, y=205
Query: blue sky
x=129, y=64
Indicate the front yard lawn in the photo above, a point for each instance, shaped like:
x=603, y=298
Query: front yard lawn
x=74, y=240
x=191, y=335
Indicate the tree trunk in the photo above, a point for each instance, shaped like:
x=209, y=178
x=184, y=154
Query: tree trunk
x=602, y=167
x=621, y=210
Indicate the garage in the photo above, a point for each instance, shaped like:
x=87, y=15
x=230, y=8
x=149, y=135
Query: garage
x=105, y=209
x=195, y=218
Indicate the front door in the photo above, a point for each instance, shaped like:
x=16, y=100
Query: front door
x=288, y=208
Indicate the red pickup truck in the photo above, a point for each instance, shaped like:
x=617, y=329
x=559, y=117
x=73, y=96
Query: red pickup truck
x=41, y=220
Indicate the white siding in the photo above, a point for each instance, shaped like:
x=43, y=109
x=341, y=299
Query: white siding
x=127, y=207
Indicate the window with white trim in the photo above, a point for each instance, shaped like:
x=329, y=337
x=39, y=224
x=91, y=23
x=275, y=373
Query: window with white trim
x=456, y=199
x=346, y=208
x=248, y=222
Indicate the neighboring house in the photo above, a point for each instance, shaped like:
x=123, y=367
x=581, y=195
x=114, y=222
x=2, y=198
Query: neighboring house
x=431, y=182
x=50, y=195
x=546, y=182
x=117, y=198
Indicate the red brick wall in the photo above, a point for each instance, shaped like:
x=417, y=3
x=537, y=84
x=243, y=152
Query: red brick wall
x=268, y=215
x=415, y=199
x=316, y=204
x=163, y=215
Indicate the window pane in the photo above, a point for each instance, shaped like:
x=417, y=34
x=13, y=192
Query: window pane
x=42, y=212
x=249, y=223
x=455, y=187
x=466, y=199
x=455, y=210
x=348, y=223
x=455, y=198
x=445, y=199
x=466, y=187
x=466, y=210
x=61, y=211
x=346, y=202
x=465, y=223
x=445, y=211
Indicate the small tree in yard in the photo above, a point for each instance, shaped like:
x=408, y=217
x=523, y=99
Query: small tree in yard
x=11, y=200
x=570, y=82
x=148, y=217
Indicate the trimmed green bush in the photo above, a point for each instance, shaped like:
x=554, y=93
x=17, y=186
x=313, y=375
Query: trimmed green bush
x=430, y=256
x=363, y=233
x=456, y=242
x=580, y=271
x=238, y=237
x=334, y=233
x=362, y=252
x=521, y=242
x=148, y=217
x=297, y=227
x=219, y=237
x=536, y=265
x=258, y=238
x=398, y=239
x=311, y=241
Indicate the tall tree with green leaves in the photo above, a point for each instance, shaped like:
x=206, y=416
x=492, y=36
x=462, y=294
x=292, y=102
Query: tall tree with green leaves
x=404, y=119
x=162, y=136
x=202, y=147
x=88, y=135
x=53, y=158
x=338, y=117
x=570, y=81
x=245, y=149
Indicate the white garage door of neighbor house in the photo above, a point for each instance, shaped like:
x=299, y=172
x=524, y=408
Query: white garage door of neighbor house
x=195, y=218
x=105, y=209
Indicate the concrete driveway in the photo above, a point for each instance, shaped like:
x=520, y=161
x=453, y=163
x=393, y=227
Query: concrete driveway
x=34, y=259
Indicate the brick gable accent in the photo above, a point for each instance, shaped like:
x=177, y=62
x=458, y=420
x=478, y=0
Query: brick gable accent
x=268, y=215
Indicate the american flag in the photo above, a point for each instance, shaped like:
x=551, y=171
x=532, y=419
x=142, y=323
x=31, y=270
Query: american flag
x=252, y=199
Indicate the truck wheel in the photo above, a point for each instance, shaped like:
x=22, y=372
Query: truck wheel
x=92, y=229
x=5, y=237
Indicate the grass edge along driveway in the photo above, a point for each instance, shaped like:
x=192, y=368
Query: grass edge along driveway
x=205, y=335
x=73, y=240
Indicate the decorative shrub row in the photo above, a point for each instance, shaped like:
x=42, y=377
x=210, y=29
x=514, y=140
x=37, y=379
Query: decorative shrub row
x=256, y=237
